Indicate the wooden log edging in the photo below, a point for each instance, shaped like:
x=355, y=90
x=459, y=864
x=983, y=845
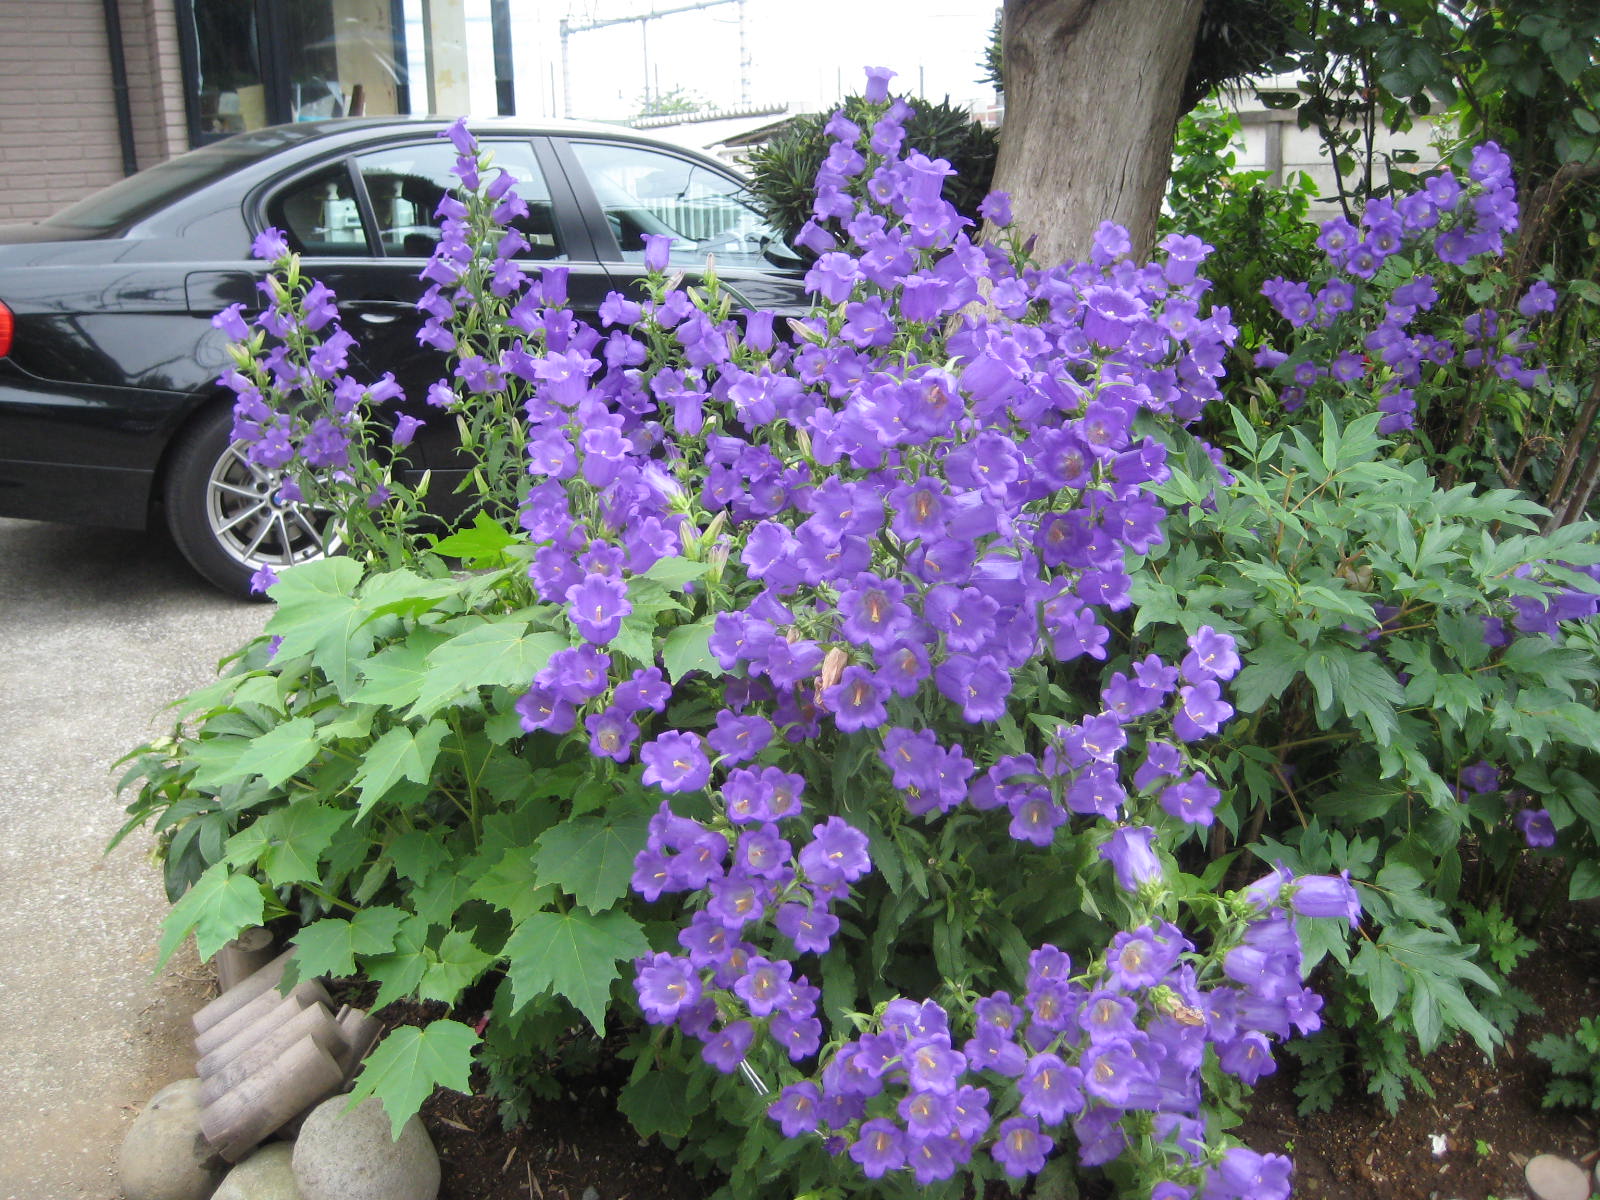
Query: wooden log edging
x=267, y=1057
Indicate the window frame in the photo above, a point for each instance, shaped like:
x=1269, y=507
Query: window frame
x=571, y=218
x=607, y=247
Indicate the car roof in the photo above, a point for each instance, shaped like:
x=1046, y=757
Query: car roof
x=254, y=156
x=355, y=129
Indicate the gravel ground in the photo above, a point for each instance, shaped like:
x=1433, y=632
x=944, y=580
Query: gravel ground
x=98, y=630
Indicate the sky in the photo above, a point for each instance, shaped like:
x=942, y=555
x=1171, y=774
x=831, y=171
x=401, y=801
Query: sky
x=804, y=52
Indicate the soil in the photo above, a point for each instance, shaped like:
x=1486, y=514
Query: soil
x=1489, y=1116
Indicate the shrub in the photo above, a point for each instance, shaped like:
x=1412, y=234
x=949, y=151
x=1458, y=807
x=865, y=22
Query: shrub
x=783, y=173
x=849, y=655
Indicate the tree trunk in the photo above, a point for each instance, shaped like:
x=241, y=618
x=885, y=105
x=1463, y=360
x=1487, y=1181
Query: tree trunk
x=1092, y=96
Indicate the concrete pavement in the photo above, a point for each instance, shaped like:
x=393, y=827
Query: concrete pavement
x=98, y=630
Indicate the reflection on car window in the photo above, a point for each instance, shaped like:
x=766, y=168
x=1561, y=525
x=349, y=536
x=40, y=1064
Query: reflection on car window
x=704, y=211
x=406, y=183
x=319, y=215
x=130, y=199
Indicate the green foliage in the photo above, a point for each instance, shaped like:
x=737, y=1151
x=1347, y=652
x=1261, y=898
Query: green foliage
x=409, y=1063
x=1258, y=229
x=1574, y=1060
x=1361, y=588
x=783, y=172
x=362, y=769
x=993, y=55
x=672, y=102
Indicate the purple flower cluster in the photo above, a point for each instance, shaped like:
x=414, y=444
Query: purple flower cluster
x=1450, y=221
x=940, y=482
x=1127, y=1036
x=296, y=413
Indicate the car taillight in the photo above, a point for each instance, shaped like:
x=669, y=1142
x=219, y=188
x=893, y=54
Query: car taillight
x=6, y=326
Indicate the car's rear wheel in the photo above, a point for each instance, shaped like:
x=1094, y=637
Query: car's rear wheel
x=227, y=514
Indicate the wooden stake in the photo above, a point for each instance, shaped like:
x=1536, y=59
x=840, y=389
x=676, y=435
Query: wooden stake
x=235, y=998
x=240, y=1119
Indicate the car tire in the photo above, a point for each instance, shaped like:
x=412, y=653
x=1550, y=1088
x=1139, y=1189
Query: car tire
x=224, y=513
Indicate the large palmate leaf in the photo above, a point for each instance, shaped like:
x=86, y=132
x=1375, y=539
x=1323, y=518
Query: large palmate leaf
x=506, y=651
x=217, y=908
x=409, y=1063
x=402, y=753
x=329, y=946
x=592, y=857
x=574, y=954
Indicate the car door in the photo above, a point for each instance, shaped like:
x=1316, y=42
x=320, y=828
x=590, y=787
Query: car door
x=630, y=189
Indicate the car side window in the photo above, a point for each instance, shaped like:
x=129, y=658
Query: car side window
x=704, y=211
x=319, y=215
x=406, y=183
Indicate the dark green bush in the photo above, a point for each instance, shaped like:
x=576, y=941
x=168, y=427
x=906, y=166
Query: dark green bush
x=784, y=171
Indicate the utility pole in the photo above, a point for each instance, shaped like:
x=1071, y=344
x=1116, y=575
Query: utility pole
x=568, y=28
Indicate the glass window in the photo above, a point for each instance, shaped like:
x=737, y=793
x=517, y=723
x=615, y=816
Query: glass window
x=704, y=211
x=270, y=62
x=233, y=90
x=127, y=200
x=320, y=215
x=340, y=58
x=406, y=184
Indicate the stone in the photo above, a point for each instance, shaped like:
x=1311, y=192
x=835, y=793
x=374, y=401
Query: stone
x=350, y=1156
x=164, y=1155
x=590, y=1193
x=268, y=1174
x=1554, y=1178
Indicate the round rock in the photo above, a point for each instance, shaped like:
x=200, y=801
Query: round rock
x=268, y=1174
x=165, y=1156
x=1554, y=1178
x=343, y=1155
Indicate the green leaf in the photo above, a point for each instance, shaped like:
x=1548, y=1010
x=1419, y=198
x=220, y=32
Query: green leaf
x=483, y=544
x=329, y=946
x=592, y=857
x=416, y=854
x=673, y=573
x=575, y=955
x=656, y=1104
x=514, y=885
x=393, y=677
x=457, y=965
x=1585, y=883
x=685, y=649
x=437, y=900
x=219, y=907
x=278, y=754
x=319, y=614
x=636, y=638
x=506, y=651
x=399, y=754
x=1371, y=692
x=398, y=974
x=409, y=1063
x=295, y=838
x=1271, y=668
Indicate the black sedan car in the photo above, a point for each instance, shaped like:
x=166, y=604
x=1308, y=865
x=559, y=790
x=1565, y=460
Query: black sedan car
x=110, y=408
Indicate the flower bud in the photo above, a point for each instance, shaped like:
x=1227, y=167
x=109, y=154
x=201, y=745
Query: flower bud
x=833, y=665
x=717, y=560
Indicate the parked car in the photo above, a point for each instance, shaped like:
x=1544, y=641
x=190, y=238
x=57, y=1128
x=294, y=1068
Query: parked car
x=110, y=408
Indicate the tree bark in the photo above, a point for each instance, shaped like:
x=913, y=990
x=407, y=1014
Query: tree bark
x=1092, y=89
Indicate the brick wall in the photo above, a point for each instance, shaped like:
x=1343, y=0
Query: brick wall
x=58, y=132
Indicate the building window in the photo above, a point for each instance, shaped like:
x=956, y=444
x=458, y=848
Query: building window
x=252, y=63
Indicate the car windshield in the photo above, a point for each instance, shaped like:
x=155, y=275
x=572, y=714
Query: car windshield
x=124, y=202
